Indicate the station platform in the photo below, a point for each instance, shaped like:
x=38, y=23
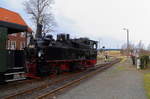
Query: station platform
x=122, y=81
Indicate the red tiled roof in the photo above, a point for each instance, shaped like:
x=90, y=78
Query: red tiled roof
x=12, y=17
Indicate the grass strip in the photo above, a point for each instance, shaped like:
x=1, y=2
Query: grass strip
x=147, y=84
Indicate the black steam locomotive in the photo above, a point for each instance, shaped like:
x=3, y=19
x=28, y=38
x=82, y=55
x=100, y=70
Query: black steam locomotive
x=47, y=56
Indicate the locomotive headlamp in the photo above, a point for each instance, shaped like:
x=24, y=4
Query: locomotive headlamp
x=40, y=53
x=31, y=46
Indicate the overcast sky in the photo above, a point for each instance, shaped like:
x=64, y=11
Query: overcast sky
x=98, y=19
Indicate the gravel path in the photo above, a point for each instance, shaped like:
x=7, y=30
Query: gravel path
x=122, y=81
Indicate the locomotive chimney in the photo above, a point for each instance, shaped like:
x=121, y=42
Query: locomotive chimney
x=58, y=37
x=39, y=31
x=68, y=36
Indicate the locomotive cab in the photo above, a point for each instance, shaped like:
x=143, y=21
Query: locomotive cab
x=12, y=62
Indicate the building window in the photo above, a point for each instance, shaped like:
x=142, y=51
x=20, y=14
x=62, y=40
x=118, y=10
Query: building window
x=22, y=34
x=13, y=45
x=22, y=45
x=9, y=44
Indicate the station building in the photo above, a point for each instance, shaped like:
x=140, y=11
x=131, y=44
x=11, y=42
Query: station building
x=16, y=41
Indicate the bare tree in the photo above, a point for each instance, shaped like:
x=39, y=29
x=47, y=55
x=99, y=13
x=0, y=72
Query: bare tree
x=125, y=50
x=40, y=11
x=141, y=48
x=148, y=47
x=140, y=45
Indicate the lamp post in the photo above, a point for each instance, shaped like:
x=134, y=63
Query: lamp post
x=127, y=30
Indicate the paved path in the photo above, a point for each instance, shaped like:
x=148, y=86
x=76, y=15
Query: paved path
x=122, y=81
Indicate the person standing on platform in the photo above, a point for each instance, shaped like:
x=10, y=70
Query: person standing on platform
x=133, y=57
x=138, y=63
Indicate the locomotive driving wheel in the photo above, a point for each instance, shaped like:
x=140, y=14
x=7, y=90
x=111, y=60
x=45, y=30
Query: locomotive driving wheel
x=42, y=69
x=55, y=70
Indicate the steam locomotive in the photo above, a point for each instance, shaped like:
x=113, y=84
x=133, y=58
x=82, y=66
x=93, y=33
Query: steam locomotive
x=47, y=56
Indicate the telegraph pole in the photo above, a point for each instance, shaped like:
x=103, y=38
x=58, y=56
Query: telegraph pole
x=127, y=30
x=128, y=39
x=99, y=45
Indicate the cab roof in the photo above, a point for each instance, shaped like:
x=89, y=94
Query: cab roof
x=13, y=21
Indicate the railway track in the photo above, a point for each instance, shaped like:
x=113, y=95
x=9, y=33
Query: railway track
x=76, y=81
x=48, y=89
x=30, y=90
x=14, y=88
